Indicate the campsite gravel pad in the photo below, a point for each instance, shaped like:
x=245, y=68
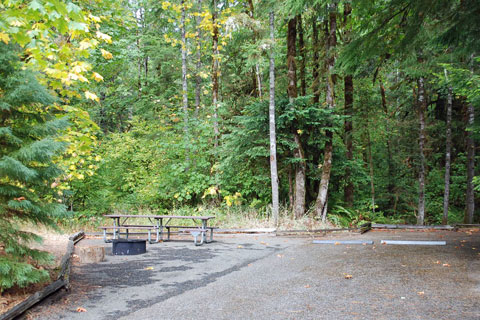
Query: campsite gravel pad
x=245, y=277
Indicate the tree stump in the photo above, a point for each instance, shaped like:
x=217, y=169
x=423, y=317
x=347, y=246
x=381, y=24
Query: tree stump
x=92, y=254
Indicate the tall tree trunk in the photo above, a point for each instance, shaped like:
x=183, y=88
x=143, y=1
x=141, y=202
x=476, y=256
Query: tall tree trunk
x=215, y=72
x=259, y=80
x=301, y=46
x=146, y=70
x=291, y=195
x=300, y=167
x=322, y=198
x=349, y=188
x=291, y=53
x=256, y=70
x=316, y=62
x=184, y=78
x=422, y=106
x=448, y=150
x=198, y=79
x=391, y=173
x=370, y=165
x=273, y=137
x=348, y=111
x=470, y=197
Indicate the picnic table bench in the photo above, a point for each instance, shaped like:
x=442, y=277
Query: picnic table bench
x=156, y=224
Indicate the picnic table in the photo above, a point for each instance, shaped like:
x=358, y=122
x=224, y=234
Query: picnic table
x=157, y=224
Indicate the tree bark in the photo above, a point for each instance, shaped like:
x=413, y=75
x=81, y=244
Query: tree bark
x=271, y=112
x=291, y=65
x=322, y=198
x=470, y=196
x=370, y=165
x=258, y=75
x=422, y=106
x=391, y=173
x=316, y=62
x=215, y=74
x=448, y=150
x=198, y=79
x=184, y=74
x=301, y=46
x=300, y=167
x=348, y=190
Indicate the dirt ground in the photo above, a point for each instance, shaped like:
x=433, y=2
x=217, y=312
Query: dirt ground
x=53, y=242
x=267, y=277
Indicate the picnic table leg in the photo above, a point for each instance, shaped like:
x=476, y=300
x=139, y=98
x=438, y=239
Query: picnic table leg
x=195, y=234
x=127, y=232
x=158, y=235
x=105, y=235
x=204, y=234
x=160, y=226
x=149, y=236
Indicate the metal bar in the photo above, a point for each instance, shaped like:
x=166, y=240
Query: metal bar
x=343, y=241
x=415, y=242
x=204, y=234
x=160, y=226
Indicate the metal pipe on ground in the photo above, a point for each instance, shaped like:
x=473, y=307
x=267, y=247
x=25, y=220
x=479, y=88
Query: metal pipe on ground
x=343, y=242
x=414, y=242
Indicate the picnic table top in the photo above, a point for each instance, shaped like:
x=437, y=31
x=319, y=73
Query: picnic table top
x=113, y=216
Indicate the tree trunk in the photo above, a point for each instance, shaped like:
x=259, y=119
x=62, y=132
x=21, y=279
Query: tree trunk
x=300, y=179
x=391, y=173
x=316, y=62
x=291, y=196
x=215, y=74
x=273, y=137
x=300, y=167
x=258, y=76
x=291, y=65
x=301, y=46
x=470, y=197
x=184, y=75
x=422, y=106
x=321, y=202
x=370, y=165
x=448, y=150
x=198, y=79
x=348, y=111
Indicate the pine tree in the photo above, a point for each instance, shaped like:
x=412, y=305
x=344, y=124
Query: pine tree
x=28, y=130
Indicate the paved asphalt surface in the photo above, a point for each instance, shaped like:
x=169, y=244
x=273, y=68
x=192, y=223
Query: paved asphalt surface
x=267, y=277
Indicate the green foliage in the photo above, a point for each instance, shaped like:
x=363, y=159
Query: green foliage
x=27, y=169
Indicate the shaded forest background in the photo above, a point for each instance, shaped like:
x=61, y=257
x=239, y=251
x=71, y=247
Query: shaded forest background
x=393, y=63
x=354, y=110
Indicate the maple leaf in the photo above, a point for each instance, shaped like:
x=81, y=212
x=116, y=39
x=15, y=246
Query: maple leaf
x=107, y=55
x=4, y=37
x=91, y=96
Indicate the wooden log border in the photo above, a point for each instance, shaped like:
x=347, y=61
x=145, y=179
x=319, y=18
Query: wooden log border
x=405, y=226
x=63, y=281
x=361, y=229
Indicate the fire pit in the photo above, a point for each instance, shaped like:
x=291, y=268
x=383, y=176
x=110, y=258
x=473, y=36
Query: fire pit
x=128, y=246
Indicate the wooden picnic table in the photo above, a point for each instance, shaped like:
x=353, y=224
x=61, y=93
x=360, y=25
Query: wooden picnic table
x=157, y=224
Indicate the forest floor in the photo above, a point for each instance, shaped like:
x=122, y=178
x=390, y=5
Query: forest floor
x=267, y=277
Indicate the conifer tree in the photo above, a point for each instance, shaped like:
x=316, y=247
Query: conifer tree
x=28, y=146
